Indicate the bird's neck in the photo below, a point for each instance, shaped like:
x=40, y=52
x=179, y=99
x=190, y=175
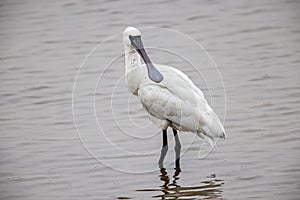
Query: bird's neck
x=133, y=71
x=132, y=59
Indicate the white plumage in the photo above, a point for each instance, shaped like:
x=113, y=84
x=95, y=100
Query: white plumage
x=173, y=102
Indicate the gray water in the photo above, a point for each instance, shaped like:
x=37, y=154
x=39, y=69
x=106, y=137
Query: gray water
x=100, y=145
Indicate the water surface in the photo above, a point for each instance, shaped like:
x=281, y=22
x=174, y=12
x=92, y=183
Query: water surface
x=43, y=43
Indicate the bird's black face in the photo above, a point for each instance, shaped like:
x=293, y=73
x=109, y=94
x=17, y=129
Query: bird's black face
x=153, y=73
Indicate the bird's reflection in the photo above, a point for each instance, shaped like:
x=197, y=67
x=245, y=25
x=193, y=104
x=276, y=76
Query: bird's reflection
x=211, y=188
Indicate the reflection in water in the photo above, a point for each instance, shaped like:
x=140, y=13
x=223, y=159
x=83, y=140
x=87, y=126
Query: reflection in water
x=208, y=189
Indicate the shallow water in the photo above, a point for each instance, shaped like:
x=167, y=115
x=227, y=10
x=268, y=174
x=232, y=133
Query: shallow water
x=112, y=151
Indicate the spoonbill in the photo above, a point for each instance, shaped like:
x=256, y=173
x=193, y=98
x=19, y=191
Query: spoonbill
x=169, y=96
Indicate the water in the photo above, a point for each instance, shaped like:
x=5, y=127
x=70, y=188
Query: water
x=43, y=43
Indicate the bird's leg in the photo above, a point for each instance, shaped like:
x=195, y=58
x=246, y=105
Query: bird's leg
x=164, y=149
x=177, y=150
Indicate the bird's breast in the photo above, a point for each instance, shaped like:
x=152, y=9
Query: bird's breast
x=134, y=77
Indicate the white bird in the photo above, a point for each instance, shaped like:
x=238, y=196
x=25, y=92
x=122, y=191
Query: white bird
x=168, y=95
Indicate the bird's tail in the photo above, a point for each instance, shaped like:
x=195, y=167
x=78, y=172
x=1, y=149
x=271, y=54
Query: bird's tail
x=214, y=127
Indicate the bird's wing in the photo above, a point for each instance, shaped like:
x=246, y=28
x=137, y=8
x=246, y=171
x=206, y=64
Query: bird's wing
x=178, y=100
x=162, y=104
x=180, y=84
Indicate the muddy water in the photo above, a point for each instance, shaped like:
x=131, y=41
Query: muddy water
x=107, y=148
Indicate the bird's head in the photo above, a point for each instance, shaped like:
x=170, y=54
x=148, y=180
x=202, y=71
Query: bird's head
x=132, y=40
x=129, y=34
